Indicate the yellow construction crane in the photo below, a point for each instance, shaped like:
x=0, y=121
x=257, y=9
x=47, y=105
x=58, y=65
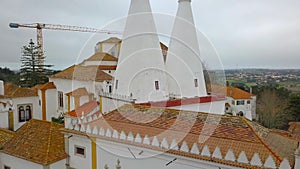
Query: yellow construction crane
x=40, y=26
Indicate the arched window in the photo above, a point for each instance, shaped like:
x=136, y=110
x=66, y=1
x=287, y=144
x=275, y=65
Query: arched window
x=240, y=113
x=28, y=113
x=21, y=114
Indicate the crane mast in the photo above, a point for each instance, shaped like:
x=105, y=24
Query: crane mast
x=40, y=26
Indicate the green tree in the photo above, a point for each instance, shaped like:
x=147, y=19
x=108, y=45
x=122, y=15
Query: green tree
x=273, y=107
x=295, y=105
x=32, y=72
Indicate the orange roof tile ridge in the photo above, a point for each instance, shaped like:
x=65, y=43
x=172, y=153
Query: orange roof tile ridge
x=261, y=140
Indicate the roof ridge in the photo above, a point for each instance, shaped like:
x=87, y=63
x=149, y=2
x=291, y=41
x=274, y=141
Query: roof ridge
x=49, y=142
x=261, y=140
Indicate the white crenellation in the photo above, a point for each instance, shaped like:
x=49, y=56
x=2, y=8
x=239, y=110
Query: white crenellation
x=88, y=129
x=95, y=117
x=102, y=131
x=90, y=119
x=70, y=126
x=84, y=121
x=217, y=153
x=164, y=144
x=108, y=133
x=256, y=161
x=115, y=134
x=243, y=158
x=82, y=128
x=155, y=142
x=184, y=147
x=130, y=137
x=205, y=151
x=285, y=164
x=174, y=145
x=76, y=127
x=138, y=138
x=95, y=130
x=146, y=140
x=123, y=135
x=195, y=149
x=230, y=155
x=270, y=163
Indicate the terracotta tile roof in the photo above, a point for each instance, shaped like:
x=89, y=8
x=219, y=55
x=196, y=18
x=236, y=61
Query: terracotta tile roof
x=46, y=86
x=5, y=136
x=10, y=88
x=38, y=141
x=226, y=132
x=14, y=91
x=85, y=108
x=283, y=145
x=78, y=92
x=237, y=93
x=101, y=56
x=84, y=73
x=294, y=129
x=103, y=67
x=111, y=40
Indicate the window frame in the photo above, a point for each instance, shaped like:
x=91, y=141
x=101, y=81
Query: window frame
x=6, y=167
x=60, y=96
x=24, y=112
x=76, y=147
x=196, y=83
x=156, y=85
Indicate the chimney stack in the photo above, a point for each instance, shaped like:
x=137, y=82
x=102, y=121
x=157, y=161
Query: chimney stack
x=141, y=71
x=183, y=64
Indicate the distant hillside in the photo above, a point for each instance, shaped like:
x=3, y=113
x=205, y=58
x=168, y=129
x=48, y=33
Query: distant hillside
x=8, y=75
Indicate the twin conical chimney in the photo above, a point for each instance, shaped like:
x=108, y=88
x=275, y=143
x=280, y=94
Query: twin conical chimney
x=183, y=63
x=141, y=72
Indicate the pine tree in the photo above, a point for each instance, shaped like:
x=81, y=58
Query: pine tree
x=32, y=72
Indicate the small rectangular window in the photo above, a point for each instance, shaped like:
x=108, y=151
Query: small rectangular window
x=233, y=102
x=248, y=101
x=6, y=167
x=116, y=86
x=60, y=99
x=80, y=151
x=240, y=102
x=156, y=85
x=196, y=82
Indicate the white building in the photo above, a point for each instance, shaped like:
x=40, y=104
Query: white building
x=240, y=103
x=17, y=106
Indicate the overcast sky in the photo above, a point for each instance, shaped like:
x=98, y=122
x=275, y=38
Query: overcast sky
x=245, y=33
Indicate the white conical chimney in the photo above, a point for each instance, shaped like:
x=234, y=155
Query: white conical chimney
x=141, y=70
x=183, y=63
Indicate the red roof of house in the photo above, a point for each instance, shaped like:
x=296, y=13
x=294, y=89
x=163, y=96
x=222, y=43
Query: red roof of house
x=78, y=92
x=37, y=141
x=237, y=93
x=85, y=109
x=46, y=86
x=13, y=91
x=84, y=73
